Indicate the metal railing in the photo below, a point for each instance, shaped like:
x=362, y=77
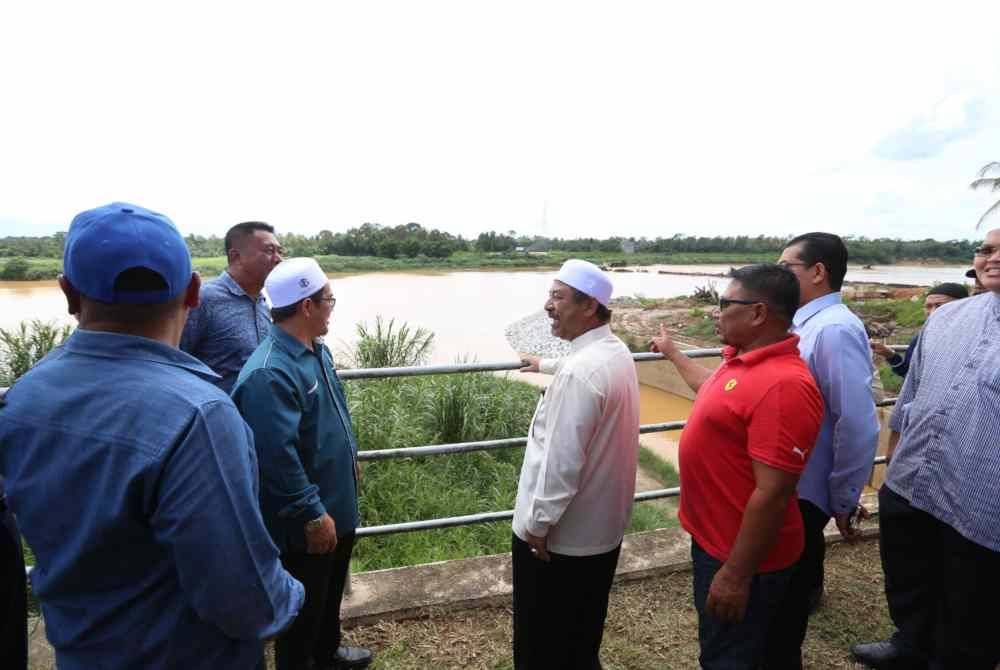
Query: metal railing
x=507, y=443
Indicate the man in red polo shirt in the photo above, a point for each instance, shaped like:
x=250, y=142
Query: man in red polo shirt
x=744, y=446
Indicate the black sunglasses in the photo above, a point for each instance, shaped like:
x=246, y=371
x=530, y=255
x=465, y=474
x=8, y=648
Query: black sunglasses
x=726, y=302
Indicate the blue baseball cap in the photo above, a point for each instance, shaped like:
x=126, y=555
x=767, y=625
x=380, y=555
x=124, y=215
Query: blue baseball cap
x=104, y=242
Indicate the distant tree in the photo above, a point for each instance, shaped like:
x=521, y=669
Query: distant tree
x=15, y=268
x=991, y=183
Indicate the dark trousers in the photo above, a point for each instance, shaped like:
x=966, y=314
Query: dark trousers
x=736, y=646
x=942, y=589
x=560, y=608
x=315, y=633
x=13, y=595
x=784, y=642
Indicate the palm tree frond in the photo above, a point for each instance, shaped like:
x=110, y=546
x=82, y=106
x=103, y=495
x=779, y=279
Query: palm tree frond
x=986, y=169
x=992, y=183
x=993, y=208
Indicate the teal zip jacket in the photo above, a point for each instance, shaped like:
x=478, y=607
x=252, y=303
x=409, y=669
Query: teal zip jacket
x=293, y=402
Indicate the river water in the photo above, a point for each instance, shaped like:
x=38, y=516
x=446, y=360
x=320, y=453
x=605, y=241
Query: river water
x=468, y=311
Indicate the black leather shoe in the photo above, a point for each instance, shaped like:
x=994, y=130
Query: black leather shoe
x=887, y=655
x=348, y=657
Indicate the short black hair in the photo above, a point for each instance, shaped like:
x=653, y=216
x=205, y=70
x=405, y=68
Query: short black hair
x=603, y=313
x=950, y=289
x=243, y=230
x=279, y=314
x=771, y=284
x=825, y=248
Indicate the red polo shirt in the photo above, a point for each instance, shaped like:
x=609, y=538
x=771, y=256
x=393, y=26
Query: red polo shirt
x=761, y=406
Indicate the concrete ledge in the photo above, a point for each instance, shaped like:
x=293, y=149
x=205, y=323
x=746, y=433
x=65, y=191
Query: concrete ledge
x=485, y=581
x=411, y=592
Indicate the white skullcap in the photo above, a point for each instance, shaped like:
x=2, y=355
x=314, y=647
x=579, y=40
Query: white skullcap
x=292, y=280
x=586, y=278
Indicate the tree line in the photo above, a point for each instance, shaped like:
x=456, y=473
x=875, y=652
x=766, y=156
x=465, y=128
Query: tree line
x=413, y=240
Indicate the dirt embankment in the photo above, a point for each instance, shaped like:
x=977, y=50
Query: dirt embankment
x=691, y=322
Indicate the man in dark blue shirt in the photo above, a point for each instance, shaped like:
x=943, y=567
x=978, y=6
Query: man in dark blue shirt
x=233, y=318
x=290, y=396
x=133, y=478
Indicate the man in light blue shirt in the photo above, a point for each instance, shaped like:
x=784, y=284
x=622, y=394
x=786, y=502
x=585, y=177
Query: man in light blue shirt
x=133, y=478
x=833, y=343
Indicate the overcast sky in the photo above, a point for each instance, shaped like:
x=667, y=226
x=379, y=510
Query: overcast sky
x=555, y=118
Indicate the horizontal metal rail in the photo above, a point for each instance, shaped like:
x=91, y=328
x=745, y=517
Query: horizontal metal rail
x=455, y=368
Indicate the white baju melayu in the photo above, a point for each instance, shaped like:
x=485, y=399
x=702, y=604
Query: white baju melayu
x=578, y=476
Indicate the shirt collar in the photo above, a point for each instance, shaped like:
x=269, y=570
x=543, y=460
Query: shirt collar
x=227, y=280
x=118, y=345
x=591, y=336
x=814, y=307
x=292, y=345
x=789, y=345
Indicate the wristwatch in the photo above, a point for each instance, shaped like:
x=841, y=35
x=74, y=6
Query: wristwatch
x=315, y=524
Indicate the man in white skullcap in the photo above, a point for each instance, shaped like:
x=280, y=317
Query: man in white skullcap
x=289, y=394
x=574, y=497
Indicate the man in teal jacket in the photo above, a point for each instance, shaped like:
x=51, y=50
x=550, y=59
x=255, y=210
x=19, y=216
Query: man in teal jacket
x=289, y=394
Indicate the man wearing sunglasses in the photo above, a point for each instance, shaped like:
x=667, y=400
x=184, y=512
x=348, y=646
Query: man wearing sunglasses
x=834, y=344
x=748, y=438
x=939, y=509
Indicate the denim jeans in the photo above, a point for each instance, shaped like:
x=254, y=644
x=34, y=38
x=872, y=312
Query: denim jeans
x=736, y=646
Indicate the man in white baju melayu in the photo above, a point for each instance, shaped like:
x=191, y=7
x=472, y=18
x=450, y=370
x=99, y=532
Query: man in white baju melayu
x=574, y=497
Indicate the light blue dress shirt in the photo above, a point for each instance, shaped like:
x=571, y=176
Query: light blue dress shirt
x=833, y=343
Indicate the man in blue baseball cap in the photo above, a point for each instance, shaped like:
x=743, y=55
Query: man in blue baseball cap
x=133, y=478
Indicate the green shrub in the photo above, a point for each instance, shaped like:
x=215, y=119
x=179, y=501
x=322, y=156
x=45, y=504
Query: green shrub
x=29, y=343
x=14, y=269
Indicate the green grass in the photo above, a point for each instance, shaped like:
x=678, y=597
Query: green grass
x=702, y=327
x=891, y=382
x=908, y=315
x=436, y=410
x=655, y=466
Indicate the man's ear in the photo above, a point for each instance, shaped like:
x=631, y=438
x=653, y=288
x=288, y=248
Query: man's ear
x=821, y=275
x=192, y=294
x=72, y=296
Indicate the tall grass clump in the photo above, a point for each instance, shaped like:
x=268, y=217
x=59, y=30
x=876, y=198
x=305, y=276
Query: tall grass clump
x=386, y=345
x=24, y=346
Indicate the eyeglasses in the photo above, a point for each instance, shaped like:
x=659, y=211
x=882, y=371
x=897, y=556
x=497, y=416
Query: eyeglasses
x=331, y=300
x=985, y=250
x=786, y=264
x=726, y=302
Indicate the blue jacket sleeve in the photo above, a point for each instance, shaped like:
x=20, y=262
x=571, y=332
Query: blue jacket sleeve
x=844, y=375
x=270, y=405
x=207, y=517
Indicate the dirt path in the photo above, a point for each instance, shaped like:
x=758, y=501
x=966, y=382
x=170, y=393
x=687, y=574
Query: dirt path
x=651, y=625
